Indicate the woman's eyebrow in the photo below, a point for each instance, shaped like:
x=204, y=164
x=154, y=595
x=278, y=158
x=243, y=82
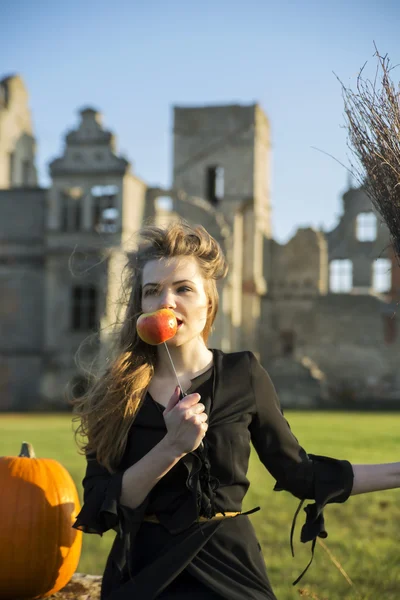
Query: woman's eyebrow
x=174, y=283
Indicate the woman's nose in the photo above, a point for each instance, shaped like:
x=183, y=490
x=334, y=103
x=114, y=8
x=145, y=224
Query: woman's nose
x=167, y=300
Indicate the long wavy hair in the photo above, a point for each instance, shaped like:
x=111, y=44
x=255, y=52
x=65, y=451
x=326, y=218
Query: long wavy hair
x=108, y=408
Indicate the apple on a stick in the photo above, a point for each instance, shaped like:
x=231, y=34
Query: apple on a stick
x=157, y=327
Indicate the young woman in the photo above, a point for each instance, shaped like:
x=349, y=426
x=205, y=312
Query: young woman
x=169, y=474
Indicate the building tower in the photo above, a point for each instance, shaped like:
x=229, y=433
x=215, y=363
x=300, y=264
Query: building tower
x=95, y=206
x=22, y=235
x=17, y=144
x=221, y=153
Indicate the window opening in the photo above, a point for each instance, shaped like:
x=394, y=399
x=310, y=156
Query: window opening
x=366, y=227
x=382, y=275
x=84, y=308
x=341, y=276
x=215, y=184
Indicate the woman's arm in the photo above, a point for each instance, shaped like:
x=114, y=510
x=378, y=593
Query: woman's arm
x=306, y=476
x=139, y=479
x=104, y=493
x=287, y=461
x=372, y=478
x=186, y=423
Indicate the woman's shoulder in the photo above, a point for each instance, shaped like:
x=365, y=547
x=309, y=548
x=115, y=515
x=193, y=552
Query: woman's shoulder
x=236, y=353
x=233, y=358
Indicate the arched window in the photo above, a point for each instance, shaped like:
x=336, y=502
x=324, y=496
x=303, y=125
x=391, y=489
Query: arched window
x=382, y=275
x=366, y=226
x=341, y=276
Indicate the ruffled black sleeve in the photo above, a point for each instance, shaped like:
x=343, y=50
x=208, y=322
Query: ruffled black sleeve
x=101, y=508
x=314, y=477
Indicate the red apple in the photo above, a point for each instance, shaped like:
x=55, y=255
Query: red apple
x=157, y=327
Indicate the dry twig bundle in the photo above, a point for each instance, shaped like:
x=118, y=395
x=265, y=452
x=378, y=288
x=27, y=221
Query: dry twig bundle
x=373, y=123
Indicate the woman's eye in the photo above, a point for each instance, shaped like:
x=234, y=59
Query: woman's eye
x=185, y=288
x=150, y=292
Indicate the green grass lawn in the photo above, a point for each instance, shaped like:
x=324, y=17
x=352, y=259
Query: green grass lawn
x=363, y=532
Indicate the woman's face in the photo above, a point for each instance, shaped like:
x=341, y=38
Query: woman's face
x=177, y=284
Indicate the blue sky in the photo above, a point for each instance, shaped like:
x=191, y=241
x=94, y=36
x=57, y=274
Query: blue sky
x=135, y=60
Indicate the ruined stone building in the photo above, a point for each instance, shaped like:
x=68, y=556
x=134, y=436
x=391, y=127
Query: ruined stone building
x=319, y=311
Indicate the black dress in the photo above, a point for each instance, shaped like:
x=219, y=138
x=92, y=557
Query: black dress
x=180, y=556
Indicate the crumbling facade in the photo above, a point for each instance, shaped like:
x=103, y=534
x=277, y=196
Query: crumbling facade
x=319, y=311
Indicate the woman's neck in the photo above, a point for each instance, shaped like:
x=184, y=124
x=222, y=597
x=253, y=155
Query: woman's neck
x=187, y=359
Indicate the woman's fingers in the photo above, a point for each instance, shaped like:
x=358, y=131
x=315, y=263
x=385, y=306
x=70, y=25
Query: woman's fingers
x=189, y=401
x=199, y=418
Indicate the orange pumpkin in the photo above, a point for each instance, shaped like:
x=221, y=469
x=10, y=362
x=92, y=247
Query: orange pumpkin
x=39, y=550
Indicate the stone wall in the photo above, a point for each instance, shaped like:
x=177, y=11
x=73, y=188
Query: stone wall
x=355, y=343
x=22, y=307
x=299, y=268
x=352, y=340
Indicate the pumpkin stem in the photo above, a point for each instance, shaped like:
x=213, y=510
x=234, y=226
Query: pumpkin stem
x=27, y=450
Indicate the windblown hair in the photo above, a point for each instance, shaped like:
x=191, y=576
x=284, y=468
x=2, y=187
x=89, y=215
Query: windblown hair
x=108, y=408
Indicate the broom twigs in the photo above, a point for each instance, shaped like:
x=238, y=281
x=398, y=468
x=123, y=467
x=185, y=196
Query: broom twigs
x=339, y=567
x=372, y=114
